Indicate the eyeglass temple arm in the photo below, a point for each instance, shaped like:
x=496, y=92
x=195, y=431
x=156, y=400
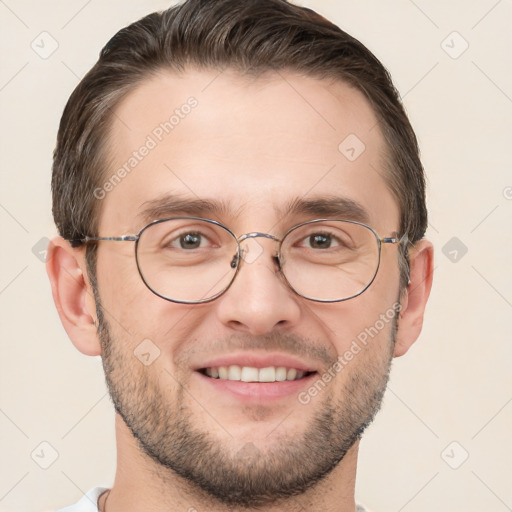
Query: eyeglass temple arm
x=395, y=239
x=124, y=238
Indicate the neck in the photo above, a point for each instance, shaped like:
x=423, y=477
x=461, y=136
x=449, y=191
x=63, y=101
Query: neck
x=142, y=484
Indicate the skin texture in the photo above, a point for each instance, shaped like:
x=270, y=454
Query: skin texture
x=254, y=143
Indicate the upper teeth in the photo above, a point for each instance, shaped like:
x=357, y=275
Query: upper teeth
x=251, y=374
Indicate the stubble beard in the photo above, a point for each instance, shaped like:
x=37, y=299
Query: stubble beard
x=251, y=477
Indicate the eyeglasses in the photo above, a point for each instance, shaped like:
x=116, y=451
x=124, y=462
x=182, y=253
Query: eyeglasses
x=191, y=260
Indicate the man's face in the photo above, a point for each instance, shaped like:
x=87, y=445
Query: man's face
x=254, y=145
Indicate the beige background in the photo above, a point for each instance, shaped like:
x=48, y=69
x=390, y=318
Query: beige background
x=454, y=385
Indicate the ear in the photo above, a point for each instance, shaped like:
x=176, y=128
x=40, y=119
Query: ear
x=414, y=298
x=73, y=295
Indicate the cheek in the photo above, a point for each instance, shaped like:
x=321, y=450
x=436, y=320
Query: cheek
x=117, y=270
x=124, y=297
x=364, y=322
x=364, y=355
x=146, y=320
x=371, y=332
x=141, y=319
x=365, y=326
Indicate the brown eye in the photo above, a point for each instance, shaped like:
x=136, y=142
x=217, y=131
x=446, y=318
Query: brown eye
x=190, y=241
x=319, y=241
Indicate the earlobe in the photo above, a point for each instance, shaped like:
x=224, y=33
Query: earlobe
x=414, y=300
x=73, y=295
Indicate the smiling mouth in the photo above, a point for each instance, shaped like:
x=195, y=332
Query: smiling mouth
x=253, y=374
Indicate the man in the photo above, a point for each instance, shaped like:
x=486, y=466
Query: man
x=241, y=207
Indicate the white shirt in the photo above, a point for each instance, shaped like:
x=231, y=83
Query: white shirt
x=88, y=503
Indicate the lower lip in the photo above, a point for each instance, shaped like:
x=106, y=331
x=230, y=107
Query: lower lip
x=258, y=391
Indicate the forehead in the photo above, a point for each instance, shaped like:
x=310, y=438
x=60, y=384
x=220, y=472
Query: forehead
x=246, y=150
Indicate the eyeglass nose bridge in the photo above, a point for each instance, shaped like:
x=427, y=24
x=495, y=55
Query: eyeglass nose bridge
x=257, y=234
x=234, y=262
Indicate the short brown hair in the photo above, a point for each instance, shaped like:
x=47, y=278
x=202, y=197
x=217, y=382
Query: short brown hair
x=251, y=37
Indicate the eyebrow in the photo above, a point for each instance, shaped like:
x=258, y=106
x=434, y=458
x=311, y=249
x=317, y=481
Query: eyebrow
x=330, y=206
x=171, y=205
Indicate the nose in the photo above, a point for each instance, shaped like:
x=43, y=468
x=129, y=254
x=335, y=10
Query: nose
x=259, y=300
